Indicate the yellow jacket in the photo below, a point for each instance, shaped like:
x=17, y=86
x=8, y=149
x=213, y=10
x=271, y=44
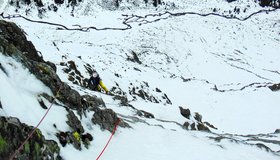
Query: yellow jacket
x=102, y=85
x=77, y=136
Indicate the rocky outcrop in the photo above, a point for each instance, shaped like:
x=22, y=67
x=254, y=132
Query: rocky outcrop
x=134, y=58
x=275, y=87
x=92, y=102
x=271, y=3
x=13, y=39
x=145, y=114
x=107, y=119
x=14, y=43
x=277, y=131
x=66, y=138
x=194, y=122
x=13, y=133
x=74, y=122
x=185, y=112
x=143, y=92
x=74, y=75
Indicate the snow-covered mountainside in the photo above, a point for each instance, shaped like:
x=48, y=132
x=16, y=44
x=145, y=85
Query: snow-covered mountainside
x=188, y=79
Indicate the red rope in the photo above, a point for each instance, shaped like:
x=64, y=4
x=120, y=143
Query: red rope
x=30, y=135
x=109, y=139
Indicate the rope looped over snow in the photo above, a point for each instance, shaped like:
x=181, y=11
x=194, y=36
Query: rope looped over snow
x=31, y=133
x=109, y=139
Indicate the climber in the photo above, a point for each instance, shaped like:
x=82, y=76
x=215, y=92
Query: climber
x=95, y=83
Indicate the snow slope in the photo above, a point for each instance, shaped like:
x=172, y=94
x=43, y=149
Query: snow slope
x=216, y=66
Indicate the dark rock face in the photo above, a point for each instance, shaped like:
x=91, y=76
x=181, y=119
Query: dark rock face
x=3, y=69
x=195, y=122
x=275, y=87
x=198, y=117
x=277, y=131
x=230, y=0
x=185, y=112
x=142, y=113
x=74, y=75
x=74, y=122
x=186, y=125
x=271, y=3
x=92, y=102
x=66, y=138
x=13, y=133
x=143, y=93
x=134, y=58
x=14, y=43
x=15, y=37
x=107, y=119
x=59, y=1
x=202, y=127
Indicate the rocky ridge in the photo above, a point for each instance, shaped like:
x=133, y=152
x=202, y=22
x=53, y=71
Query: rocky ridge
x=13, y=43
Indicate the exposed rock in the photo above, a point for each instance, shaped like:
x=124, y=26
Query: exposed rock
x=123, y=99
x=185, y=112
x=272, y=3
x=107, y=119
x=14, y=43
x=210, y=125
x=74, y=75
x=13, y=133
x=168, y=101
x=194, y=122
x=86, y=138
x=186, y=125
x=13, y=36
x=158, y=90
x=145, y=114
x=59, y=1
x=202, y=127
x=230, y=0
x=275, y=87
x=277, y=131
x=52, y=65
x=198, y=117
x=69, y=138
x=1, y=104
x=42, y=104
x=193, y=126
x=134, y=58
x=143, y=93
x=74, y=122
x=92, y=102
x=260, y=145
x=3, y=69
